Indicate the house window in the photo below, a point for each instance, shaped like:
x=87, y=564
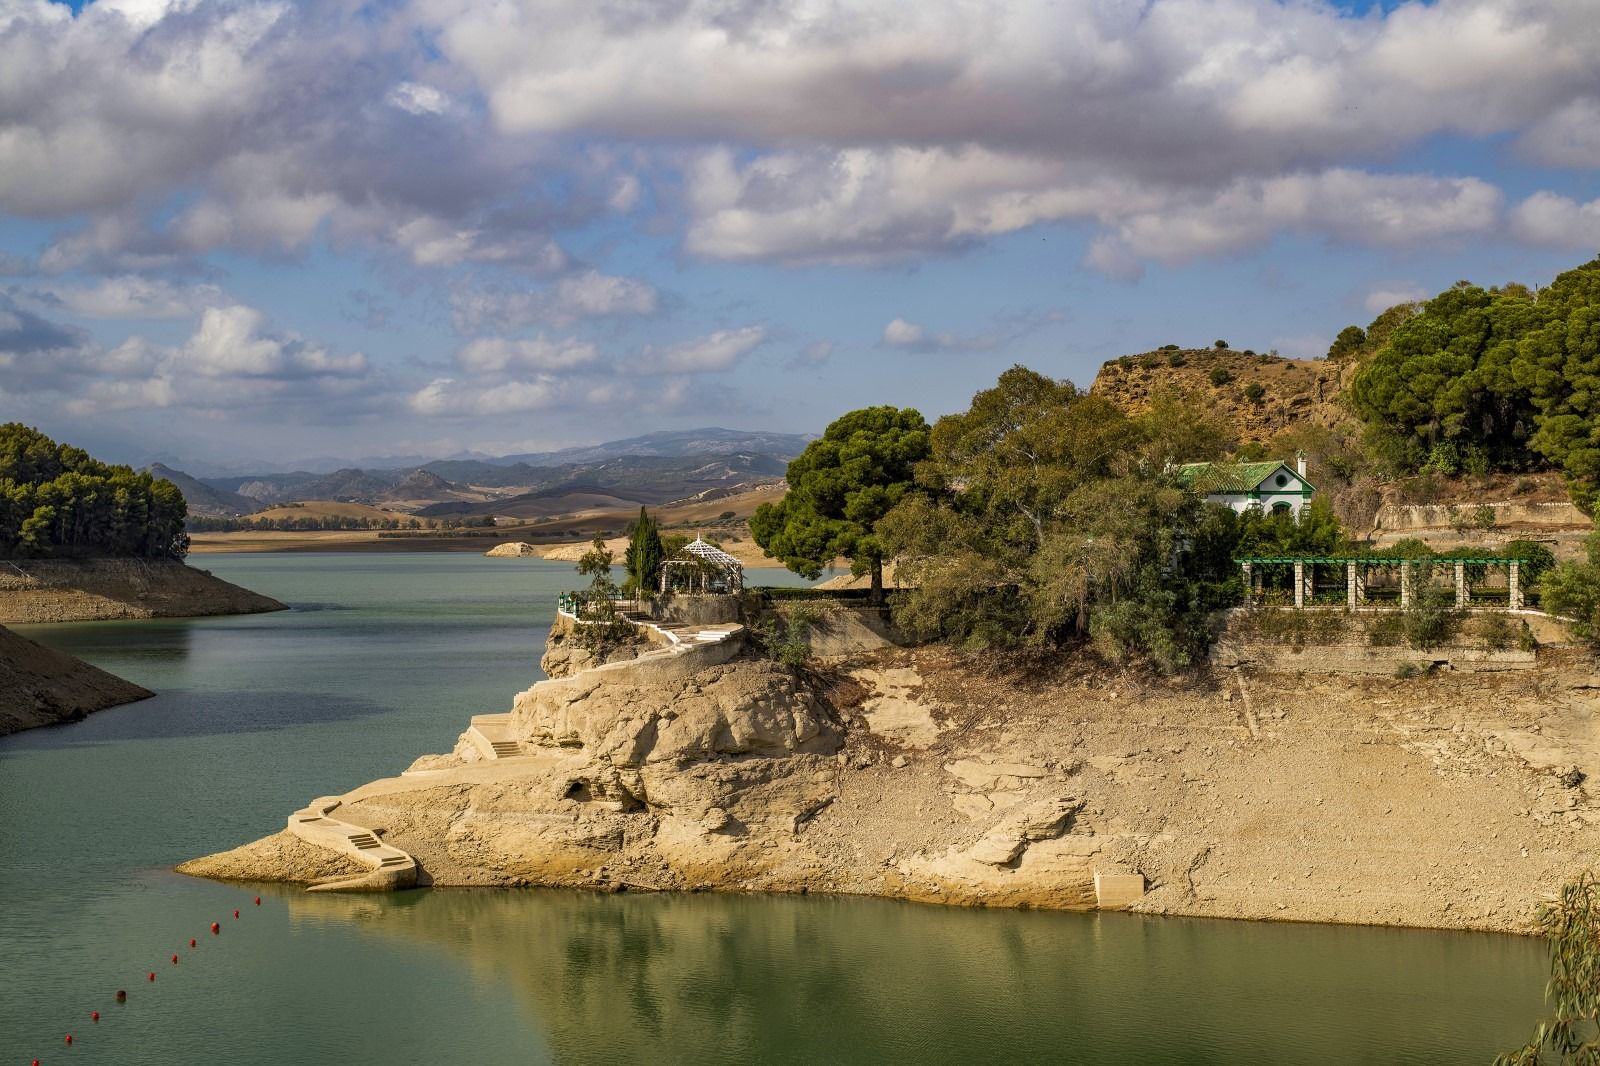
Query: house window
x=1280, y=508
x=1282, y=479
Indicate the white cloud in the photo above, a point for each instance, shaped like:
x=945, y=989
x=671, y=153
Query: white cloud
x=715, y=351
x=1389, y=295
x=494, y=354
x=448, y=397
x=134, y=296
x=574, y=298
x=902, y=334
x=417, y=99
x=1555, y=221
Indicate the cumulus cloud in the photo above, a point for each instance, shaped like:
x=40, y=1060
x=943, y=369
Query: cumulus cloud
x=233, y=361
x=1389, y=295
x=589, y=294
x=452, y=398
x=494, y=354
x=715, y=351
x=134, y=296
x=1555, y=221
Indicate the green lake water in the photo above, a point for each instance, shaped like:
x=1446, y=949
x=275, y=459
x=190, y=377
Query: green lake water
x=384, y=658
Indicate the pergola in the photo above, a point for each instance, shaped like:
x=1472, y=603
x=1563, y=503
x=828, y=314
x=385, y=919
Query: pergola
x=702, y=568
x=1359, y=569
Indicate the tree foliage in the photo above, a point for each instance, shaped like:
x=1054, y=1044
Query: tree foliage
x=644, y=555
x=1489, y=379
x=1572, y=590
x=58, y=501
x=1050, y=516
x=839, y=487
x=1572, y=1035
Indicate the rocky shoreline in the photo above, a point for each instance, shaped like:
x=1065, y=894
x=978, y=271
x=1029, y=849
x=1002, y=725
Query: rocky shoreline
x=39, y=686
x=62, y=590
x=1447, y=801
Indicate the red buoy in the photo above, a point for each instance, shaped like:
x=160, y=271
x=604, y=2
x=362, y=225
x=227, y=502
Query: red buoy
x=35, y=1062
x=69, y=1038
x=174, y=960
x=215, y=928
x=258, y=901
x=236, y=914
x=191, y=941
x=152, y=975
x=94, y=1016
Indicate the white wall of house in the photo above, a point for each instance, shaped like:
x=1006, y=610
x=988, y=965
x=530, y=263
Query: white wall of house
x=1294, y=493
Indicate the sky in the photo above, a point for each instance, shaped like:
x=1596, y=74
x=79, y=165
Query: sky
x=255, y=234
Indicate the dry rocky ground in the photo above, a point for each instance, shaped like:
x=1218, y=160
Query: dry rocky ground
x=1449, y=800
x=40, y=686
x=68, y=590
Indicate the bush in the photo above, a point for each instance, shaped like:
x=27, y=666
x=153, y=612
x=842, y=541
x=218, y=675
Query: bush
x=1220, y=345
x=1385, y=630
x=1221, y=376
x=1176, y=359
x=1255, y=391
x=1431, y=620
x=1167, y=348
x=725, y=515
x=785, y=637
x=1496, y=631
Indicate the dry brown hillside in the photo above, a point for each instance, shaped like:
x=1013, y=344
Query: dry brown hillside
x=1291, y=391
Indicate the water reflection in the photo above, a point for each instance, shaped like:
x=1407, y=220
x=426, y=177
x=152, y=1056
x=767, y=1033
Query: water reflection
x=750, y=979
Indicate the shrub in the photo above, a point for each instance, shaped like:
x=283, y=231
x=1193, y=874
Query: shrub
x=1255, y=391
x=1221, y=376
x=1496, y=631
x=1220, y=345
x=785, y=637
x=1385, y=630
x=725, y=515
x=1168, y=348
x=1176, y=359
x=1431, y=620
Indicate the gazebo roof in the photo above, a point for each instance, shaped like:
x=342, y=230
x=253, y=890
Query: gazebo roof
x=712, y=554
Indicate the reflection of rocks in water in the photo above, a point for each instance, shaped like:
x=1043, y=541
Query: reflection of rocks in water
x=706, y=978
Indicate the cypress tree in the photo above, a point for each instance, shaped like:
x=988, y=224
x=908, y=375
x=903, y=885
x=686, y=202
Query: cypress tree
x=644, y=556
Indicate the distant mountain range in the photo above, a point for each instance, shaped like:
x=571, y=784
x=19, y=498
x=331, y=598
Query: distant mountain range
x=651, y=469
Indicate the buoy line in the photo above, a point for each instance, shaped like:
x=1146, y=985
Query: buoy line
x=122, y=993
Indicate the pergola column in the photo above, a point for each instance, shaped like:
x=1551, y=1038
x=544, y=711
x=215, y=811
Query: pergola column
x=1248, y=571
x=1461, y=584
x=1514, y=586
x=1405, y=584
x=1352, y=586
x=1299, y=584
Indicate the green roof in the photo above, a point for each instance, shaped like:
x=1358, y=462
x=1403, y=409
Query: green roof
x=1208, y=478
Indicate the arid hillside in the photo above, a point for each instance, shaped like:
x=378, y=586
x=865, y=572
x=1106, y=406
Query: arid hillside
x=1258, y=395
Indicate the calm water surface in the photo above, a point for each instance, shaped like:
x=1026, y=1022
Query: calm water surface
x=382, y=659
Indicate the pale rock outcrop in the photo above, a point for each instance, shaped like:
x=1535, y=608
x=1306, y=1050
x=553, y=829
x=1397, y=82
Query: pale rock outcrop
x=517, y=549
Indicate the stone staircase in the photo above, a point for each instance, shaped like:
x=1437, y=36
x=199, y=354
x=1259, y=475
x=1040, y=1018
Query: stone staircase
x=388, y=868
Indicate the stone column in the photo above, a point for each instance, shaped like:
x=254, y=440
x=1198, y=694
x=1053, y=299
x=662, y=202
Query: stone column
x=1351, y=597
x=1299, y=585
x=1405, y=585
x=1248, y=572
x=1514, y=586
x=1461, y=585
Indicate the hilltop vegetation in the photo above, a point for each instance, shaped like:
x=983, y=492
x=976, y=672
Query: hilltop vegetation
x=58, y=501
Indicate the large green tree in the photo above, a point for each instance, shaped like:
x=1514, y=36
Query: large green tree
x=1558, y=363
x=839, y=487
x=57, y=500
x=1444, y=390
x=1051, y=516
x=644, y=555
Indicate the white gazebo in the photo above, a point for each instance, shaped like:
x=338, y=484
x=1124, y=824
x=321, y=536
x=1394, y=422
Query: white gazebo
x=702, y=568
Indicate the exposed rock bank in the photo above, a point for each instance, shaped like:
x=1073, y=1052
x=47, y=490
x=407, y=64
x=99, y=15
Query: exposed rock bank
x=517, y=549
x=59, y=590
x=1447, y=801
x=39, y=686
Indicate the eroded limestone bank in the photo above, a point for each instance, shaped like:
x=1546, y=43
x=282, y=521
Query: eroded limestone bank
x=1450, y=801
x=84, y=590
x=40, y=686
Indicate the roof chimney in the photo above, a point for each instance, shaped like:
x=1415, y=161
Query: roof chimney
x=1300, y=464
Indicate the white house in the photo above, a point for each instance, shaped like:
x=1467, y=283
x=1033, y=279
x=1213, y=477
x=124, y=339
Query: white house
x=1272, y=486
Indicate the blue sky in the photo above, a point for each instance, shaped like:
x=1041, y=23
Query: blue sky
x=250, y=233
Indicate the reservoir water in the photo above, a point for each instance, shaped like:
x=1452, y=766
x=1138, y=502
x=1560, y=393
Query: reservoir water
x=383, y=658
